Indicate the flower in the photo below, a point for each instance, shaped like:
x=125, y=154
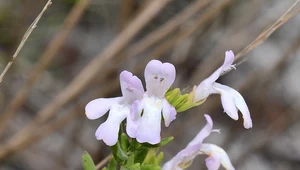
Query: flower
x=119, y=109
x=147, y=112
x=232, y=101
x=217, y=155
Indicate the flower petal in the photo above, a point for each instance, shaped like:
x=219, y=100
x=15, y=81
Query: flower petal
x=242, y=106
x=204, y=133
x=150, y=125
x=132, y=126
x=131, y=86
x=229, y=106
x=98, y=107
x=169, y=112
x=216, y=153
x=159, y=77
x=108, y=131
x=238, y=101
x=227, y=100
x=212, y=163
x=229, y=59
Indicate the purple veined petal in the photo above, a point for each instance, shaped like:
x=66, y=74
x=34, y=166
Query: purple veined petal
x=131, y=86
x=109, y=130
x=212, y=163
x=169, y=112
x=98, y=107
x=159, y=77
x=227, y=101
x=136, y=109
x=204, y=133
x=132, y=126
x=217, y=153
x=150, y=124
x=239, y=103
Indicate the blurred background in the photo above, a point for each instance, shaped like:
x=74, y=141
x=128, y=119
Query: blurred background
x=42, y=121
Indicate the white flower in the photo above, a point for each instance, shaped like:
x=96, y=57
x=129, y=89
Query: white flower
x=217, y=156
x=147, y=112
x=231, y=99
x=119, y=108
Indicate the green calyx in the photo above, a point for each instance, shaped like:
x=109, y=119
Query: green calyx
x=182, y=102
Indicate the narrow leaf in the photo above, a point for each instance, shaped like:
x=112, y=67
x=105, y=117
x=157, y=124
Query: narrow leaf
x=87, y=161
x=112, y=164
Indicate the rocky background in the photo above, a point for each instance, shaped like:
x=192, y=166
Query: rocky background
x=268, y=77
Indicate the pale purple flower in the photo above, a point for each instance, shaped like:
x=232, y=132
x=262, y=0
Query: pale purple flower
x=232, y=101
x=217, y=156
x=119, y=109
x=147, y=113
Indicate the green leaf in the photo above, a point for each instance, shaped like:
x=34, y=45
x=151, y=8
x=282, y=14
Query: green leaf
x=140, y=155
x=159, y=158
x=151, y=156
x=124, y=141
x=130, y=160
x=112, y=164
x=87, y=161
x=119, y=154
x=134, y=145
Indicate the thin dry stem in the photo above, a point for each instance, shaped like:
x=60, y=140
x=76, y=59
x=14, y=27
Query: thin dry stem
x=232, y=37
x=44, y=61
x=267, y=32
x=24, y=39
x=103, y=162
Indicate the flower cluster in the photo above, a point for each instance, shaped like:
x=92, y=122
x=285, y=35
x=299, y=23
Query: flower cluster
x=144, y=111
x=159, y=77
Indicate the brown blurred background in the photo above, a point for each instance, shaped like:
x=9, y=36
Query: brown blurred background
x=42, y=121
